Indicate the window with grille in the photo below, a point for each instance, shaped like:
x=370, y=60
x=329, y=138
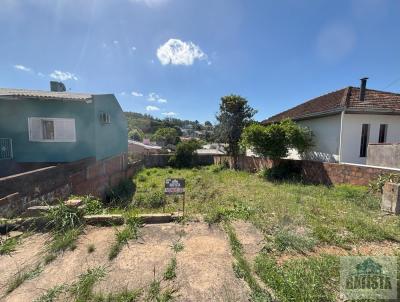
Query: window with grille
x=51, y=129
x=364, y=140
x=105, y=118
x=382, y=133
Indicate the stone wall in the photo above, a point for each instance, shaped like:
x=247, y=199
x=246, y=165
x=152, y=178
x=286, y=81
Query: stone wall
x=18, y=192
x=314, y=171
x=384, y=155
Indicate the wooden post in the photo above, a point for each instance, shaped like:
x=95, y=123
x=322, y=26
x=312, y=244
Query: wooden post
x=184, y=204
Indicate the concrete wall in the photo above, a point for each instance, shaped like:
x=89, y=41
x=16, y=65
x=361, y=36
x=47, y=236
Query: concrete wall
x=14, y=116
x=351, y=134
x=110, y=139
x=18, y=192
x=326, y=132
x=384, y=155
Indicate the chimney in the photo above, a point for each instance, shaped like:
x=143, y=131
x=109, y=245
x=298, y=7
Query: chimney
x=362, y=89
x=57, y=86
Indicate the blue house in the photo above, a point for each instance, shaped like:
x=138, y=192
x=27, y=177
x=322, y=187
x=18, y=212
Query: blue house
x=58, y=126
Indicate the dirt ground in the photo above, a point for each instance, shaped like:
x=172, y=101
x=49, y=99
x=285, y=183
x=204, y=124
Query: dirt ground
x=204, y=266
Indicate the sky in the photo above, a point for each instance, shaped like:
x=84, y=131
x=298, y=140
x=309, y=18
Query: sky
x=177, y=58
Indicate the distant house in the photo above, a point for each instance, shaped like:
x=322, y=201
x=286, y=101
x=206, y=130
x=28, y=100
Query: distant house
x=138, y=148
x=59, y=126
x=345, y=121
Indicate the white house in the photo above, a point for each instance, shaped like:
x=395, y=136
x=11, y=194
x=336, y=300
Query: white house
x=345, y=121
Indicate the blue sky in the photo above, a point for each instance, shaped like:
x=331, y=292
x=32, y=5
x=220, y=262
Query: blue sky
x=178, y=57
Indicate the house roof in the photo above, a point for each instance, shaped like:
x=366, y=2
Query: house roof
x=50, y=95
x=347, y=99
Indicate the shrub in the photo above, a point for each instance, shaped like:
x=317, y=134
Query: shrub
x=152, y=199
x=377, y=185
x=122, y=194
x=185, y=155
x=63, y=218
x=285, y=170
x=93, y=206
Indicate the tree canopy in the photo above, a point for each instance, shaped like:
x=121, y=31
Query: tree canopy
x=234, y=114
x=166, y=136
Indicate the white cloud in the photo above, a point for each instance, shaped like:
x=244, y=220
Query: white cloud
x=154, y=97
x=116, y=42
x=169, y=113
x=22, y=67
x=40, y=74
x=151, y=3
x=122, y=93
x=133, y=48
x=63, y=75
x=152, y=108
x=178, y=52
x=137, y=94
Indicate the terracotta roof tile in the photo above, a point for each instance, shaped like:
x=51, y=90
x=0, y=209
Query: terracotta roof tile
x=346, y=98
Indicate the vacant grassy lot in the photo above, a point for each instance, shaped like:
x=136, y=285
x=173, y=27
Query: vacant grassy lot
x=306, y=227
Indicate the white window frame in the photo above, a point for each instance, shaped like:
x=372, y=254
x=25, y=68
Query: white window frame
x=55, y=140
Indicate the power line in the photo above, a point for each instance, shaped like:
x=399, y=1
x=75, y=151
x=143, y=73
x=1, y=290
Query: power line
x=391, y=83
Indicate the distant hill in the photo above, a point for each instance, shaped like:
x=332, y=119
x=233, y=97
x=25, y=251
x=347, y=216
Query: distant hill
x=149, y=124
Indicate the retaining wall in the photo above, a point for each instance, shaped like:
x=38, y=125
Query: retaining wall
x=314, y=171
x=88, y=176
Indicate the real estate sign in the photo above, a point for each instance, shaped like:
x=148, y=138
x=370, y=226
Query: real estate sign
x=174, y=186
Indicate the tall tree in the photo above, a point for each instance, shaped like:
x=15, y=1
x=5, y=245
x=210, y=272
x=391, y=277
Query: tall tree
x=234, y=114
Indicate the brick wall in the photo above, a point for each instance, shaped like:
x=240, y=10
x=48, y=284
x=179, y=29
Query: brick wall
x=314, y=171
x=162, y=160
x=18, y=192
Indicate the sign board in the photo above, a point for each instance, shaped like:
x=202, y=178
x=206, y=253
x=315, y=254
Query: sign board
x=174, y=186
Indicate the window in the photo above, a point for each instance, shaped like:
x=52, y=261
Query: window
x=105, y=118
x=51, y=129
x=382, y=133
x=48, y=129
x=364, y=140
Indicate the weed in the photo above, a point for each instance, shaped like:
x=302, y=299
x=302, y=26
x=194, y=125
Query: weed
x=92, y=205
x=91, y=248
x=287, y=240
x=63, y=218
x=301, y=280
x=64, y=241
x=22, y=276
x=124, y=296
x=178, y=247
x=9, y=245
x=129, y=232
x=170, y=272
x=152, y=199
x=122, y=194
x=82, y=289
x=51, y=294
x=242, y=268
x=155, y=293
x=154, y=290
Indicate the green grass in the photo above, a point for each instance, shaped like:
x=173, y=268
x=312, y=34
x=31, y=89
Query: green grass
x=338, y=215
x=82, y=290
x=178, y=247
x=9, y=245
x=302, y=280
x=51, y=294
x=242, y=269
x=170, y=272
x=124, y=296
x=129, y=232
x=22, y=276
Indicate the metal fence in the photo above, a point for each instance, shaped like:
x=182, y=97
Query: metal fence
x=6, y=151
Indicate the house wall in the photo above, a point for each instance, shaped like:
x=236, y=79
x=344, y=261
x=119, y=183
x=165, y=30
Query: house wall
x=326, y=132
x=111, y=139
x=351, y=134
x=14, y=116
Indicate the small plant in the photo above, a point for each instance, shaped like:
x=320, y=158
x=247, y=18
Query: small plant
x=377, y=185
x=130, y=231
x=22, y=276
x=122, y=194
x=91, y=248
x=287, y=240
x=124, y=296
x=170, y=272
x=51, y=294
x=178, y=247
x=62, y=218
x=93, y=206
x=9, y=245
x=216, y=215
x=152, y=199
x=82, y=289
x=64, y=241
